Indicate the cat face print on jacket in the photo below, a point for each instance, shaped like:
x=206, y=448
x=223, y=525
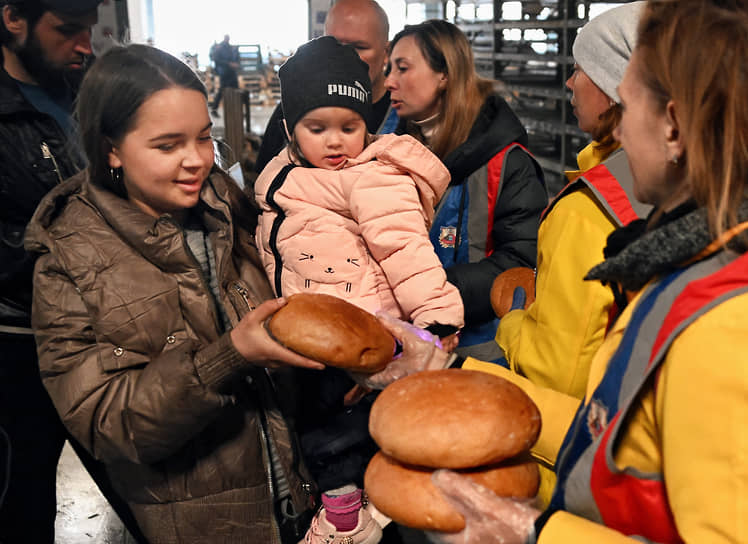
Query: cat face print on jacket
x=336, y=263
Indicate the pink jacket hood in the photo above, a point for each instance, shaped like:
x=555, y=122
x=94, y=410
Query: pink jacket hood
x=411, y=157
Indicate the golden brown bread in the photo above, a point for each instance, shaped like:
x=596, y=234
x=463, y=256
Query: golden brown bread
x=453, y=418
x=332, y=331
x=502, y=289
x=405, y=492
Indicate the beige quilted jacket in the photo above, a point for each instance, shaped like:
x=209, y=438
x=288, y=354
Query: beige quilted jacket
x=131, y=354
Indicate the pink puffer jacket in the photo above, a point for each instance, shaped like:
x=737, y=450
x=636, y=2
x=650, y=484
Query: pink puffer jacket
x=360, y=232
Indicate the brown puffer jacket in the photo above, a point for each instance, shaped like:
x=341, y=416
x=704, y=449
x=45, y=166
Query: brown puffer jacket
x=131, y=354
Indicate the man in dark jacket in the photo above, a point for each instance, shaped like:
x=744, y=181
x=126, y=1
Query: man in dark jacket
x=45, y=47
x=226, y=58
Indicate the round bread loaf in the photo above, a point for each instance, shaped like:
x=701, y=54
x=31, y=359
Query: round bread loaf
x=453, y=418
x=502, y=289
x=406, y=494
x=332, y=331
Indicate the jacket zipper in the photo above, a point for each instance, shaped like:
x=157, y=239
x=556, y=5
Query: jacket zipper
x=47, y=154
x=280, y=216
x=305, y=485
x=239, y=288
x=460, y=214
x=269, y=472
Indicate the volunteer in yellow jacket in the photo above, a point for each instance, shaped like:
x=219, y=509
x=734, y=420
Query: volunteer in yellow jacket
x=552, y=342
x=656, y=451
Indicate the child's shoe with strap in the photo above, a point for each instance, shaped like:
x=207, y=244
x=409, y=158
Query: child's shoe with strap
x=343, y=520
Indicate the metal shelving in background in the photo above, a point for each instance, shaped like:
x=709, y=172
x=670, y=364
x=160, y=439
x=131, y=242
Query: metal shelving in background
x=526, y=46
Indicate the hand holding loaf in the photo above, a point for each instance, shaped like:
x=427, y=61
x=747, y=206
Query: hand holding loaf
x=504, y=286
x=476, y=423
x=252, y=341
x=332, y=331
x=488, y=516
x=420, y=352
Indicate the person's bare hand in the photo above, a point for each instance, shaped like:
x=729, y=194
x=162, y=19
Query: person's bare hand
x=489, y=519
x=252, y=341
x=450, y=343
x=421, y=351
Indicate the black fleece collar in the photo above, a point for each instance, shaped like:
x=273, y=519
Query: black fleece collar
x=639, y=254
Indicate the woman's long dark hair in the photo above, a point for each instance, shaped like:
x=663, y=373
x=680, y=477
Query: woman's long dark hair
x=115, y=87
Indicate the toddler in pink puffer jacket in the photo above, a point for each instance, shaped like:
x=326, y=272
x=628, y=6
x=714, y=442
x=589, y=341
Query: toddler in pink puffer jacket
x=347, y=215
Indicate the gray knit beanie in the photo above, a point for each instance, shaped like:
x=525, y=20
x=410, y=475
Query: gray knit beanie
x=603, y=46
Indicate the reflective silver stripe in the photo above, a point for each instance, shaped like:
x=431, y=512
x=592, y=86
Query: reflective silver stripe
x=16, y=330
x=477, y=213
x=578, y=492
x=618, y=165
x=487, y=351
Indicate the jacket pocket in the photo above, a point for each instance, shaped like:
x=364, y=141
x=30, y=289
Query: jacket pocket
x=116, y=357
x=134, y=333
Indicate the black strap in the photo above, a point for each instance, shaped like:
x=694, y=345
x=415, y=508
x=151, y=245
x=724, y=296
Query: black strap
x=280, y=216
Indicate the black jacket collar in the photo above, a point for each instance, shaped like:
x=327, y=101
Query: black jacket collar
x=495, y=128
x=11, y=99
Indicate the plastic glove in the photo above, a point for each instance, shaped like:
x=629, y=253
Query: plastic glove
x=421, y=351
x=489, y=519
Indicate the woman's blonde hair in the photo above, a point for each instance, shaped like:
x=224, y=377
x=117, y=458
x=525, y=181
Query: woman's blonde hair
x=447, y=51
x=695, y=53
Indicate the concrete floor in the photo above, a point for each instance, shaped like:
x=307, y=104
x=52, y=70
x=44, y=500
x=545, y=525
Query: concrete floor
x=83, y=514
x=258, y=118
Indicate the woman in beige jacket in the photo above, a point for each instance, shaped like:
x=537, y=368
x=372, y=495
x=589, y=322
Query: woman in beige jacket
x=148, y=312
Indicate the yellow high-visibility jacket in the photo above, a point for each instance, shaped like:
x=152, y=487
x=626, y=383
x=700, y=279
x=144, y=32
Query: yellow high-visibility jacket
x=689, y=424
x=553, y=341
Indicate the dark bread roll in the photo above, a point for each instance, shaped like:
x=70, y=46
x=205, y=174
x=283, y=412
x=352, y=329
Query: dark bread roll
x=406, y=494
x=502, y=289
x=332, y=331
x=453, y=418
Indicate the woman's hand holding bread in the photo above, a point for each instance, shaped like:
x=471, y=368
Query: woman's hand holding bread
x=489, y=519
x=251, y=339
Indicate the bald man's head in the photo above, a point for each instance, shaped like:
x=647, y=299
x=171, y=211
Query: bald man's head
x=364, y=25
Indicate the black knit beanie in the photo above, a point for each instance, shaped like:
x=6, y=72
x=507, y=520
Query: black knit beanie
x=324, y=72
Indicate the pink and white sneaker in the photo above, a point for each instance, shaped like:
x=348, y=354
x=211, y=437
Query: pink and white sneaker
x=345, y=506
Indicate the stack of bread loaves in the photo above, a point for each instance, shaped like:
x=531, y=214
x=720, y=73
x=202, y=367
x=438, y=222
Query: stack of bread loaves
x=475, y=423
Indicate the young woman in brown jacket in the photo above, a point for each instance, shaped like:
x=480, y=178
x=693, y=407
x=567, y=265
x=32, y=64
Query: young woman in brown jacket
x=149, y=303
